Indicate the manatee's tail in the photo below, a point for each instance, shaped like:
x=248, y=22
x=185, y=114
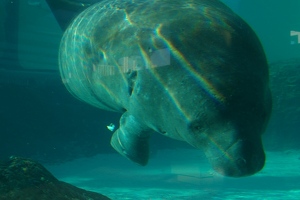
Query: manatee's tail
x=132, y=140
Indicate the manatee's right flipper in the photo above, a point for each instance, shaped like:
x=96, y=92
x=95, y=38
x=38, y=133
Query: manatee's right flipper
x=132, y=139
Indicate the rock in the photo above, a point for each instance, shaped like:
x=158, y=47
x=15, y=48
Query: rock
x=24, y=179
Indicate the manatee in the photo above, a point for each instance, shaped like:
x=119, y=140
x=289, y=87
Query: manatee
x=191, y=70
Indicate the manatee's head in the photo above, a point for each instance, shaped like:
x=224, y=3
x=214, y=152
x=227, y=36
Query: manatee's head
x=231, y=139
x=233, y=147
x=229, y=132
x=225, y=115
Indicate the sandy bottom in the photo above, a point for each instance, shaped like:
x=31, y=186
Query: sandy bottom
x=180, y=175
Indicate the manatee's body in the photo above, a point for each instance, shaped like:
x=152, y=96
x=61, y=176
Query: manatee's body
x=191, y=70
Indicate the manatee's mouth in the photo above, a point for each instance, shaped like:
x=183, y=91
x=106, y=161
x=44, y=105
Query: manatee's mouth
x=242, y=158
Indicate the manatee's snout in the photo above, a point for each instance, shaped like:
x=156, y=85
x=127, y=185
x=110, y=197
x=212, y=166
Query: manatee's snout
x=242, y=158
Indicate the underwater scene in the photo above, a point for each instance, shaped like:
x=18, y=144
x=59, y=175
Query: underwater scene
x=149, y=99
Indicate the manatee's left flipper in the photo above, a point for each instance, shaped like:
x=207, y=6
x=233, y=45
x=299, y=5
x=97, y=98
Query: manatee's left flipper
x=132, y=139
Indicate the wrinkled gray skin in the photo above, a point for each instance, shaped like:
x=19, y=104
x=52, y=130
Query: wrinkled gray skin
x=190, y=70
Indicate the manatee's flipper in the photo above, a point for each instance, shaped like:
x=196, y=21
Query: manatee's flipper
x=132, y=139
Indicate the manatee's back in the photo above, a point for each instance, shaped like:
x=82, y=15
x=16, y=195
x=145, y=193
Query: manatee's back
x=108, y=41
x=83, y=63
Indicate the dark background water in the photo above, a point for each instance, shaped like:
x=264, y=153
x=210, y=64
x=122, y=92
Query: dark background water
x=41, y=120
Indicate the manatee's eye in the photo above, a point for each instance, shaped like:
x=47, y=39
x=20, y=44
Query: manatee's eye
x=195, y=126
x=163, y=132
